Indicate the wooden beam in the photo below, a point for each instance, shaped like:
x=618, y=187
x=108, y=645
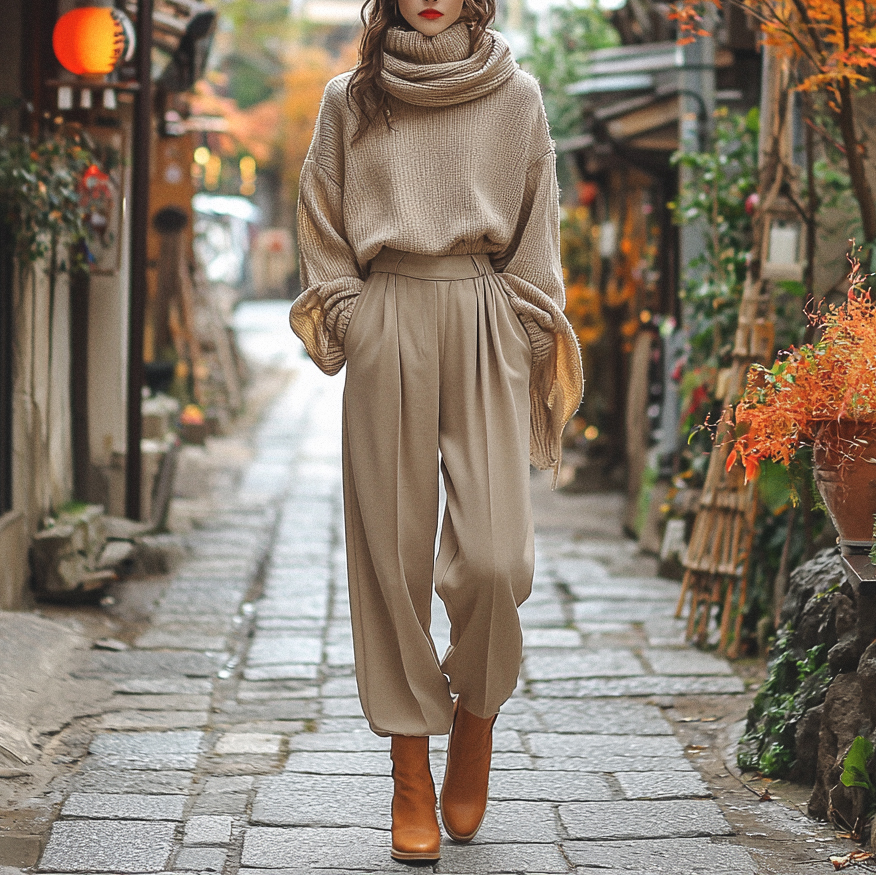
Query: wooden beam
x=142, y=140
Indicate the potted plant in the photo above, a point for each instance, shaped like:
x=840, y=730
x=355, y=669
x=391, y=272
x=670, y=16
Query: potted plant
x=821, y=395
x=45, y=195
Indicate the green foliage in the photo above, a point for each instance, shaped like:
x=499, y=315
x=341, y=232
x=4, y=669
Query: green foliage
x=560, y=59
x=855, y=772
x=40, y=197
x=716, y=186
x=258, y=37
x=792, y=687
x=249, y=83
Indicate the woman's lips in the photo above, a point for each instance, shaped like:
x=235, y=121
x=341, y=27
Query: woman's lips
x=431, y=14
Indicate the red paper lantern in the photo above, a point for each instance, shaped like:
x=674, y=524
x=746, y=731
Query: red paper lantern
x=91, y=41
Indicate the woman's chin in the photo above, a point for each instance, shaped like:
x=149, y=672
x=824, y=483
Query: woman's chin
x=429, y=27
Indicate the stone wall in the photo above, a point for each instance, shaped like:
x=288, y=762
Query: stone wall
x=823, y=607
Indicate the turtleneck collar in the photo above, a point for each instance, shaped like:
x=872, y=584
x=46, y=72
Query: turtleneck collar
x=442, y=70
x=452, y=44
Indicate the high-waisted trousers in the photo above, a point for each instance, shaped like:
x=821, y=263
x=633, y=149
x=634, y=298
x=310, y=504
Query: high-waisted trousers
x=437, y=361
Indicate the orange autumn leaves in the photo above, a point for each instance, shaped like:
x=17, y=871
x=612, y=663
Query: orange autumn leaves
x=836, y=37
x=832, y=379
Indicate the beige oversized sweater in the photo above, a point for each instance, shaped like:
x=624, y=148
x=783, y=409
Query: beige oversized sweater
x=468, y=167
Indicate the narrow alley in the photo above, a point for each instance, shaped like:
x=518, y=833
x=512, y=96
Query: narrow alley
x=232, y=739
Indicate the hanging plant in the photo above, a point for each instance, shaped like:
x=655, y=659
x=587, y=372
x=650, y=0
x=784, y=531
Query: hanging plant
x=41, y=192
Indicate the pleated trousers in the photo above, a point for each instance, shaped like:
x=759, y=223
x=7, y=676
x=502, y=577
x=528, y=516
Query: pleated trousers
x=437, y=362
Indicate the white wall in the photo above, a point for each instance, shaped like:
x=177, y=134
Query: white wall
x=42, y=476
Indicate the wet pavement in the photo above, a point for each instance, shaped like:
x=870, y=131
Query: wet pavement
x=231, y=739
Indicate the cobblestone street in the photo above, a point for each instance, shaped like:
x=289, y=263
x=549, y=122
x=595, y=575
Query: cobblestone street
x=233, y=740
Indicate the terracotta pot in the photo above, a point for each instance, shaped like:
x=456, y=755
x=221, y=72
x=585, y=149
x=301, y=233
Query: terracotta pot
x=844, y=459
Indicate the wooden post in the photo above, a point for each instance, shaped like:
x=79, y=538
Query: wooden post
x=142, y=139
x=80, y=293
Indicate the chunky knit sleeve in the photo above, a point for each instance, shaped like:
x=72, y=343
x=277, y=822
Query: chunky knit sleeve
x=534, y=281
x=330, y=274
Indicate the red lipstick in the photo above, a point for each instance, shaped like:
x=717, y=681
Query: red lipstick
x=431, y=14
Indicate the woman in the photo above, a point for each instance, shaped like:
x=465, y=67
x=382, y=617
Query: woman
x=429, y=238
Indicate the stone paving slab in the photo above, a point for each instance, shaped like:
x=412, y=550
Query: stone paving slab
x=201, y=860
x=148, y=750
x=612, y=764
x=534, y=615
x=345, y=848
x=218, y=804
x=649, y=685
x=518, y=822
x=170, y=639
x=207, y=830
x=104, y=780
x=357, y=741
x=284, y=709
x=313, y=606
x=632, y=612
x=135, y=719
x=635, y=820
x=574, y=571
x=665, y=632
x=627, y=588
x=598, y=717
x=310, y=870
x=507, y=858
x=284, y=649
x=545, y=744
x=104, y=846
x=156, y=702
x=323, y=800
x=550, y=786
x=248, y=743
x=340, y=707
x=662, y=785
x=684, y=661
x=124, y=806
x=339, y=763
x=662, y=857
x=550, y=638
x=152, y=663
x=265, y=691
x=306, y=671
x=578, y=664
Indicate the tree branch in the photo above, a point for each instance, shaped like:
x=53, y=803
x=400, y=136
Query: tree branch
x=844, y=18
x=814, y=35
x=855, y=161
x=776, y=21
x=826, y=135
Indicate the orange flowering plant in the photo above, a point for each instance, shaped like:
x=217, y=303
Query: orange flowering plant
x=832, y=379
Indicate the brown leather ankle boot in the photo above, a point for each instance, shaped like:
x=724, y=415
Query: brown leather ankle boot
x=467, y=778
x=415, y=831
